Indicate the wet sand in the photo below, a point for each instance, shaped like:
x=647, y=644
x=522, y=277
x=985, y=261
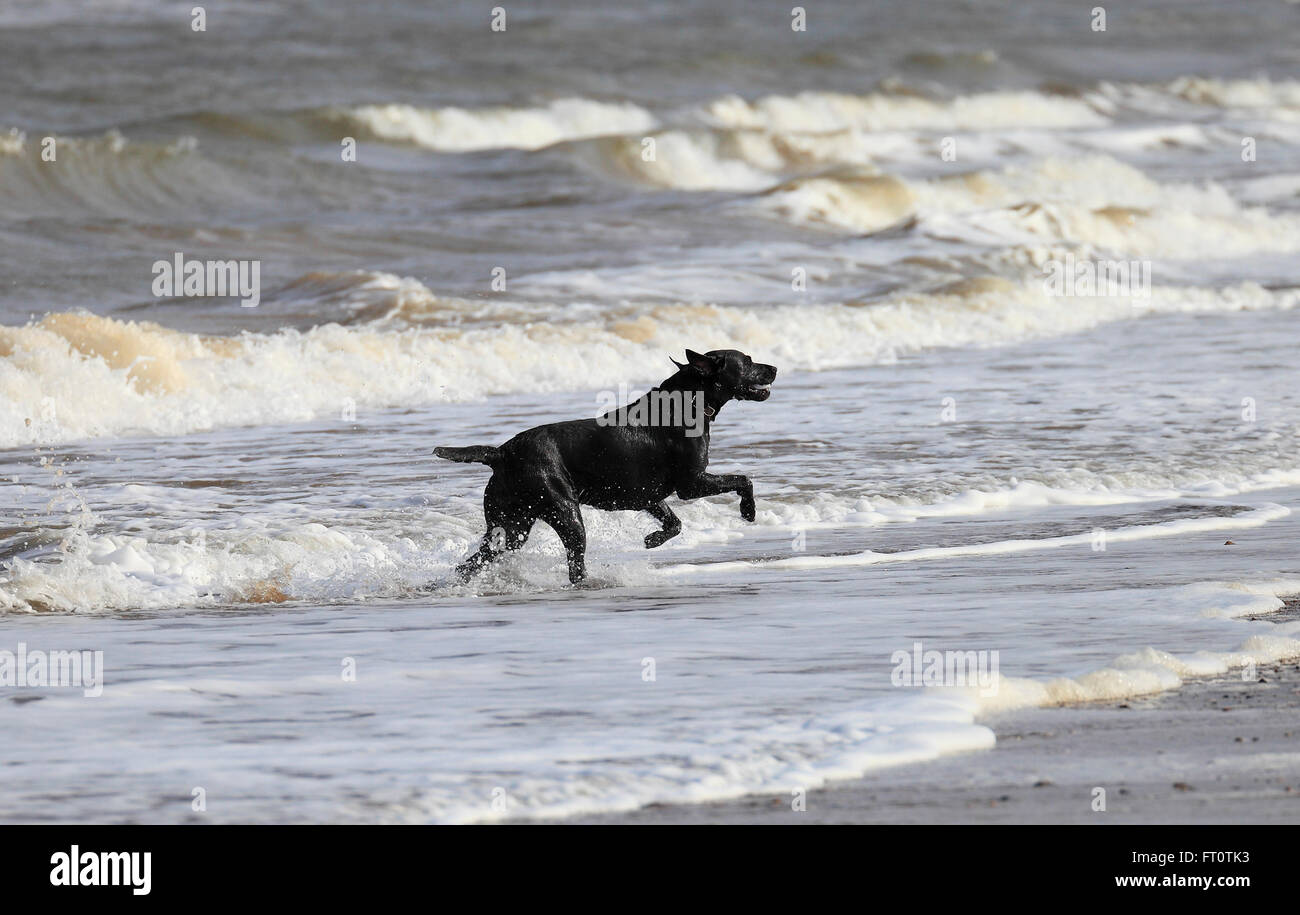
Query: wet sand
x=1220, y=750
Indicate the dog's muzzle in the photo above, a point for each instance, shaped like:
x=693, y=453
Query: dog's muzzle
x=756, y=388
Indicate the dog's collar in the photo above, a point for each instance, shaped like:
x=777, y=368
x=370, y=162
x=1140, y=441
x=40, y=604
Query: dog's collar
x=709, y=412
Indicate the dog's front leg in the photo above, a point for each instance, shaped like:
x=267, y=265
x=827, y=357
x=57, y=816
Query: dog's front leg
x=712, y=484
x=672, y=525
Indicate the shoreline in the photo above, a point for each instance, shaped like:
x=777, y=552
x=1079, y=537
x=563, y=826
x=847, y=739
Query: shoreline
x=1214, y=750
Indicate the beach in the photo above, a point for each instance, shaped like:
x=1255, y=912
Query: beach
x=1215, y=751
x=1026, y=486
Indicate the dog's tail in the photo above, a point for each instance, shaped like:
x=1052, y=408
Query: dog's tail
x=473, y=454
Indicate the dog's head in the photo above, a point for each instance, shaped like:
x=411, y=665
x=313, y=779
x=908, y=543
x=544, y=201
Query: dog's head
x=731, y=374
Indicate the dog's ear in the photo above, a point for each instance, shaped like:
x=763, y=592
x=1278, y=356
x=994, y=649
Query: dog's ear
x=702, y=364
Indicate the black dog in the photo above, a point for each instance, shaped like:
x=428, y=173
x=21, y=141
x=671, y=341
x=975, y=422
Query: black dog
x=629, y=459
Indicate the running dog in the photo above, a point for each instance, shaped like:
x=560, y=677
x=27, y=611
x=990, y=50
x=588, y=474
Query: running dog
x=629, y=459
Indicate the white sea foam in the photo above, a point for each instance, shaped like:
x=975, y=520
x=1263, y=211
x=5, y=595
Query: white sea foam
x=1254, y=517
x=274, y=559
x=1152, y=670
x=1095, y=200
x=792, y=756
x=787, y=757
x=820, y=112
x=464, y=130
x=454, y=129
x=1277, y=98
x=73, y=376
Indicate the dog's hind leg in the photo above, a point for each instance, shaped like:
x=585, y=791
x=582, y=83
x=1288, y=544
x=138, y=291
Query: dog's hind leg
x=566, y=517
x=508, y=529
x=672, y=525
x=503, y=534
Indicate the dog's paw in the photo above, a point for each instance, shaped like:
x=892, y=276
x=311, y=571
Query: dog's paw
x=590, y=584
x=655, y=538
x=747, y=510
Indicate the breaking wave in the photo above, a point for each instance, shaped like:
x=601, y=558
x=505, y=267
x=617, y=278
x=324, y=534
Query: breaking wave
x=1095, y=201
x=465, y=130
x=107, y=175
x=74, y=375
